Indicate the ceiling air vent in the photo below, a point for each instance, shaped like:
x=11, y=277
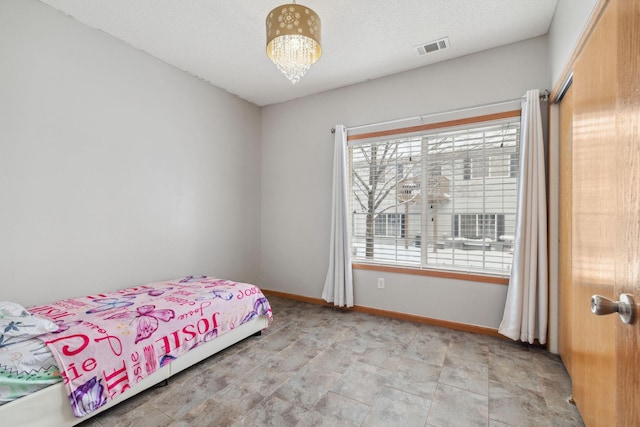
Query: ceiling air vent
x=433, y=46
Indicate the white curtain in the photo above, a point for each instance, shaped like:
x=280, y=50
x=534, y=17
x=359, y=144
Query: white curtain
x=338, y=286
x=525, y=312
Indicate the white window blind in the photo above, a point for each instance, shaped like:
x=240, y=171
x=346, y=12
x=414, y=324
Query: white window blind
x=443, y=198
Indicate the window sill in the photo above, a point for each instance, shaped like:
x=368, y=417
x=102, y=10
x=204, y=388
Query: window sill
x=498, y=280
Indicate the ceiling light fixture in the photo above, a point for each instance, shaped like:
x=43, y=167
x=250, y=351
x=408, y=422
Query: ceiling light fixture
x=293, y=39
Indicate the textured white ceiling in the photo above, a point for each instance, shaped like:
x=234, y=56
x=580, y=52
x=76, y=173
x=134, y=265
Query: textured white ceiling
x=223, y=41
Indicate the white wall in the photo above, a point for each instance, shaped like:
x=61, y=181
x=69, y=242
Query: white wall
x=566, y=28
x=297, y=153
x=115, y=168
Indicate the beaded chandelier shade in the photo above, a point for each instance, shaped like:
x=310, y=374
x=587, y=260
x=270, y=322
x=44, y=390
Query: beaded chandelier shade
x=293, y=39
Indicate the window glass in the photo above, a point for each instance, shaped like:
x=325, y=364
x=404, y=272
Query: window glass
x=439, y=199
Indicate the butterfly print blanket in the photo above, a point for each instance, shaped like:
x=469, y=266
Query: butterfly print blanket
x=108, y=342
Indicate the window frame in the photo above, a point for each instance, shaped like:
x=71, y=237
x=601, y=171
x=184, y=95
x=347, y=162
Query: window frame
x=508, y=168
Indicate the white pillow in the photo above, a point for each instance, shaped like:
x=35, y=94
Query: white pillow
x=8, y=308
x=16, y=324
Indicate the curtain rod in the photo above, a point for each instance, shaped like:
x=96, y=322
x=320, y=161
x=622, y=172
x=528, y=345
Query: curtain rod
x=544, y=96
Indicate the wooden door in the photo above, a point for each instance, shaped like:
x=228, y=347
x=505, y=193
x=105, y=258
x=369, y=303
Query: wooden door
x=605, y=258
x=628, y=190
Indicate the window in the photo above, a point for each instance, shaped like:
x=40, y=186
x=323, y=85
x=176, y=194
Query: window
x=440, y=197
x=489, y=167
x=478, y=226
x=389, y=224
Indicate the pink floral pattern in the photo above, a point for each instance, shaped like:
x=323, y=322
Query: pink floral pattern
x=106, y=343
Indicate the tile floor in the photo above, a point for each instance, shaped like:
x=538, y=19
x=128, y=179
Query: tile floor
x=318, y=366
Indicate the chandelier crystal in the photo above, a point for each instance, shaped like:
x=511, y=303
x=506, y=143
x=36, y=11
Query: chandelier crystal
x=293, y=39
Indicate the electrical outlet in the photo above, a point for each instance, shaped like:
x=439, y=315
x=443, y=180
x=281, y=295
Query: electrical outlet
x=380, y=283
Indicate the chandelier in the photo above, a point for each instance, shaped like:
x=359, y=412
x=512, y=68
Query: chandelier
x=293, y=39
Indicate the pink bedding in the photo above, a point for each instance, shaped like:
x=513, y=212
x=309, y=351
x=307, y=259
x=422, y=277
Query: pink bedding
x=106, y=343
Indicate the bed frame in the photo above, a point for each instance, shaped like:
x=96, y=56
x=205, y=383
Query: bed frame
x=50, y=407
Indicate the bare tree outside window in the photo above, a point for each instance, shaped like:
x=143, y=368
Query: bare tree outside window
x=385, y=177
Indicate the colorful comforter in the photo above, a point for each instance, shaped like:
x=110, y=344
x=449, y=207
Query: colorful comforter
x=106, y=343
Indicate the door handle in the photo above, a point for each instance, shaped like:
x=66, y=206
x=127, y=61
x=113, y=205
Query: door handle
x=625, y=307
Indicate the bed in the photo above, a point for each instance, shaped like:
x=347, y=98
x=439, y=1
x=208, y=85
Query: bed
x=150, y=333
